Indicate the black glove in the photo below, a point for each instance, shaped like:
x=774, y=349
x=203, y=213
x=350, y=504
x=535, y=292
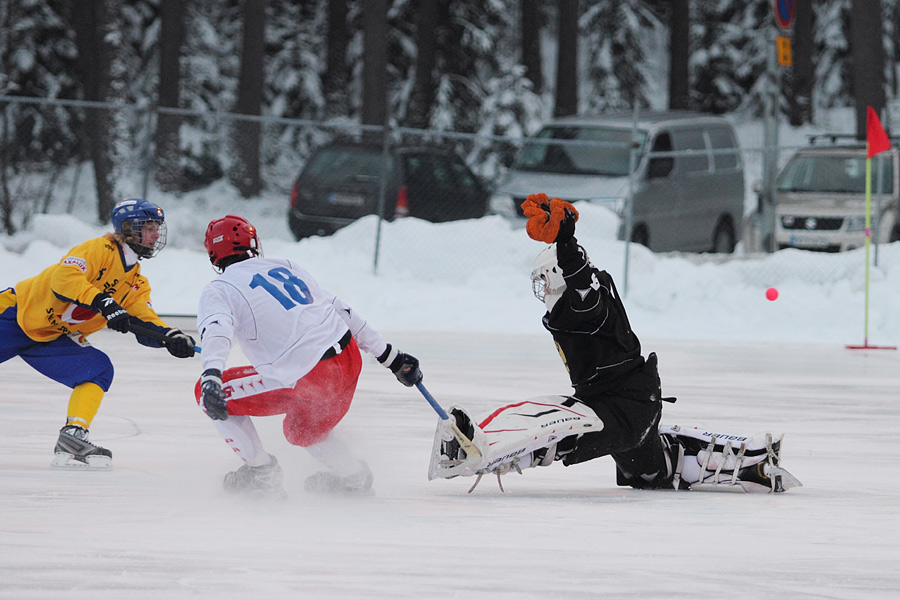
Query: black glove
x=179, y=344
x=566, y=228
x=404, y=366
x=116, y=317
x=213, y=395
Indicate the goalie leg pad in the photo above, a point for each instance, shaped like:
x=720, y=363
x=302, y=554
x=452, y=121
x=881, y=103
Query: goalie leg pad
x=507, y=436
x=715, y=461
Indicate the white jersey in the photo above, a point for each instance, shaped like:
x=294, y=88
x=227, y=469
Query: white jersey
x=280, y=316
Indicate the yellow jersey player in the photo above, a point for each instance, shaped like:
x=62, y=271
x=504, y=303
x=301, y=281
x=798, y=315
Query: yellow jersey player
x=97, y=284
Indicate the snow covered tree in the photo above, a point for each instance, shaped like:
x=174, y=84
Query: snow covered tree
x=566, y=103
x=679, y=55
x=728, y=54
x=832, y=48
x=37, y=59
x=209, y=81
x=423, y=86
x=474, y=43
x=245, y=134
x=532, y=22
x=374, y=88
x=168, y=145
x=102, y=68
x=37, y=56
x=867, y=45
x=337, y=75
x=615, y=33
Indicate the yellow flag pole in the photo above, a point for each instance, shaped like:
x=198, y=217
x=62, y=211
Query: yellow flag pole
x=876, y=132
x=868, y=240
x=866, y=345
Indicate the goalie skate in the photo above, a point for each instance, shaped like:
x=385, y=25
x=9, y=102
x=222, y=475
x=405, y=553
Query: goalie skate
x=448, y=459
x=509, y=435
x=75, y=451
x=729, y=463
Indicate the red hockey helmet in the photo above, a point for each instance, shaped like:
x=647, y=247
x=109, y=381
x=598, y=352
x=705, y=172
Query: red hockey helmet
x=231, y=237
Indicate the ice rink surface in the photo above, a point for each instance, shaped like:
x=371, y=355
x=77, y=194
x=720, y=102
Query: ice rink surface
x=159, y=525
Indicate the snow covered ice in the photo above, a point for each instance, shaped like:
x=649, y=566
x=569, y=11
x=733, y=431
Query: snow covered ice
x=458, y=296
x=159, y=524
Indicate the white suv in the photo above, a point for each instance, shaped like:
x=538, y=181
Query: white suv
x=820, y=199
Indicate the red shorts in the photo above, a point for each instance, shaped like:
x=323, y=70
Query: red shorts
x=313, y=407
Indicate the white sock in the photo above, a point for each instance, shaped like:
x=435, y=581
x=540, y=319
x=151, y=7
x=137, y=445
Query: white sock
x=261, y=459
x=240, y=433
x=334, y=454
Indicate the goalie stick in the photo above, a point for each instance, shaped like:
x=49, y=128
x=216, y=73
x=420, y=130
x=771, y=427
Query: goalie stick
x=150, y=333
x=464, y=442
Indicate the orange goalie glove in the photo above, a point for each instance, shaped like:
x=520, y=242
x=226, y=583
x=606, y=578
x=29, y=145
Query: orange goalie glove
x=545, y=217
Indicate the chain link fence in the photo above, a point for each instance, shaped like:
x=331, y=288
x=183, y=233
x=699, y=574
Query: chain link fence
x=45, y=167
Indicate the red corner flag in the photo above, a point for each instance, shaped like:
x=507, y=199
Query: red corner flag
x=876, y=139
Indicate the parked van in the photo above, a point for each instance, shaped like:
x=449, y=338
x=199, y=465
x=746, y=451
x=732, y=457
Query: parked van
x=691, y=200
x=820, y=198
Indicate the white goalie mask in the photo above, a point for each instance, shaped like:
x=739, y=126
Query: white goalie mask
x=547, y=281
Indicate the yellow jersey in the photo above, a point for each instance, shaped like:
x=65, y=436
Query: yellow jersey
x=57, y=301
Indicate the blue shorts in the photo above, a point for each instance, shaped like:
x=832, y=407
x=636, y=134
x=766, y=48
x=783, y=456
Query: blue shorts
x=63, y=359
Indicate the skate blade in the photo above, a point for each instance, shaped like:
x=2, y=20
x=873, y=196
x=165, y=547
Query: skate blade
x=740, y=487
x=66, y=462
x=783, y=479
x=448, y=469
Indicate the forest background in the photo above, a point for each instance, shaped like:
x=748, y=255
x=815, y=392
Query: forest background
x=207, y=90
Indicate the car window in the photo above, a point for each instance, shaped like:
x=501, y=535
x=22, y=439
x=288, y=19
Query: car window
x=609, y=154
x=721, y=138
x=424, y=170
x=836, y=174
x=438, y=170
x=461, y=175
x=334, y=164
x=661, y=166
x=692, y=139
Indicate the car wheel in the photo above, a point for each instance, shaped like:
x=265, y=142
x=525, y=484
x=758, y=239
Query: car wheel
x=641, y=236
x=895, y=234
x=298, y=228
x=723, y=238
x=305, y=229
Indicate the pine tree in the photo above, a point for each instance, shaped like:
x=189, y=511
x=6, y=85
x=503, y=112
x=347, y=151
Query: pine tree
x=615, y=32
x=728, y=55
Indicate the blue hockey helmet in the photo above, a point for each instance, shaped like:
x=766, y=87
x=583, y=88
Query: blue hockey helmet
x=131, y=217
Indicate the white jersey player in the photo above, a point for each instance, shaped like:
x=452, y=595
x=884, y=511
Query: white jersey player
x=303, y=344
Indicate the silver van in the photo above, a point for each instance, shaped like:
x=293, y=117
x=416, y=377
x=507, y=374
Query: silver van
x=820, y=198
x=691, y=199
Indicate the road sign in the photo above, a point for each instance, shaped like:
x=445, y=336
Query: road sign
x=784, y=12
x=783, y=48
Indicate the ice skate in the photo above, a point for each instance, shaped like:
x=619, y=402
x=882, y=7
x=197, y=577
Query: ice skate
x=450, y=448
x=75, y=451
x=718, y=462
x=262, y=482
x=329, y=482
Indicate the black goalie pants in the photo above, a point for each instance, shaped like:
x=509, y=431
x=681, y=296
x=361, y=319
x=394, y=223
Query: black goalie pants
x=631, y=412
